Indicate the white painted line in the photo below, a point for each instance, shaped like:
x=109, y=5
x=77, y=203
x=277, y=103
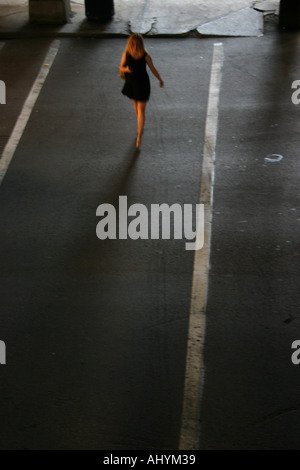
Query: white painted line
x=194, y=373
x=22, y=120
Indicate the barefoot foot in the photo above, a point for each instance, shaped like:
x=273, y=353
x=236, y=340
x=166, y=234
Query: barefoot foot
x=138, y=141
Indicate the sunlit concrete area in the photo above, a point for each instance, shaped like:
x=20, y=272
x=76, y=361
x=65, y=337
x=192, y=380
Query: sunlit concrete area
x=151, y=18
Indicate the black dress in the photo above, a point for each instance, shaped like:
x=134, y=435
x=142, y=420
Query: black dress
x=137, y=83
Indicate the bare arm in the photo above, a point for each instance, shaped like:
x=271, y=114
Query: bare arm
x=154, y=70
x=124, y=68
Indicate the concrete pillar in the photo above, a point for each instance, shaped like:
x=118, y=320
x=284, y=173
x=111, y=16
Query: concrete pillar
x=99, y=10
x=49, y=11
x=289, y=14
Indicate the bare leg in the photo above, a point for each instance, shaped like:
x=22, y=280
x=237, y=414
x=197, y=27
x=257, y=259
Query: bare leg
x=135, y=106
x=141, y=113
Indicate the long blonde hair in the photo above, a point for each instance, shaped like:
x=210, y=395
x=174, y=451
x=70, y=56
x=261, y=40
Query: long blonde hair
x=136, y=38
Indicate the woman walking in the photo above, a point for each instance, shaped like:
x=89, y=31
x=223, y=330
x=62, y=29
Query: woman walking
x=137, y=83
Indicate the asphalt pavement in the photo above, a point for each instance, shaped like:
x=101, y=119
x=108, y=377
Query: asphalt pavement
x=96, y=331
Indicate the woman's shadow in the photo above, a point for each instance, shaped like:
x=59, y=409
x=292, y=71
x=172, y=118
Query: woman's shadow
x=130, y=160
